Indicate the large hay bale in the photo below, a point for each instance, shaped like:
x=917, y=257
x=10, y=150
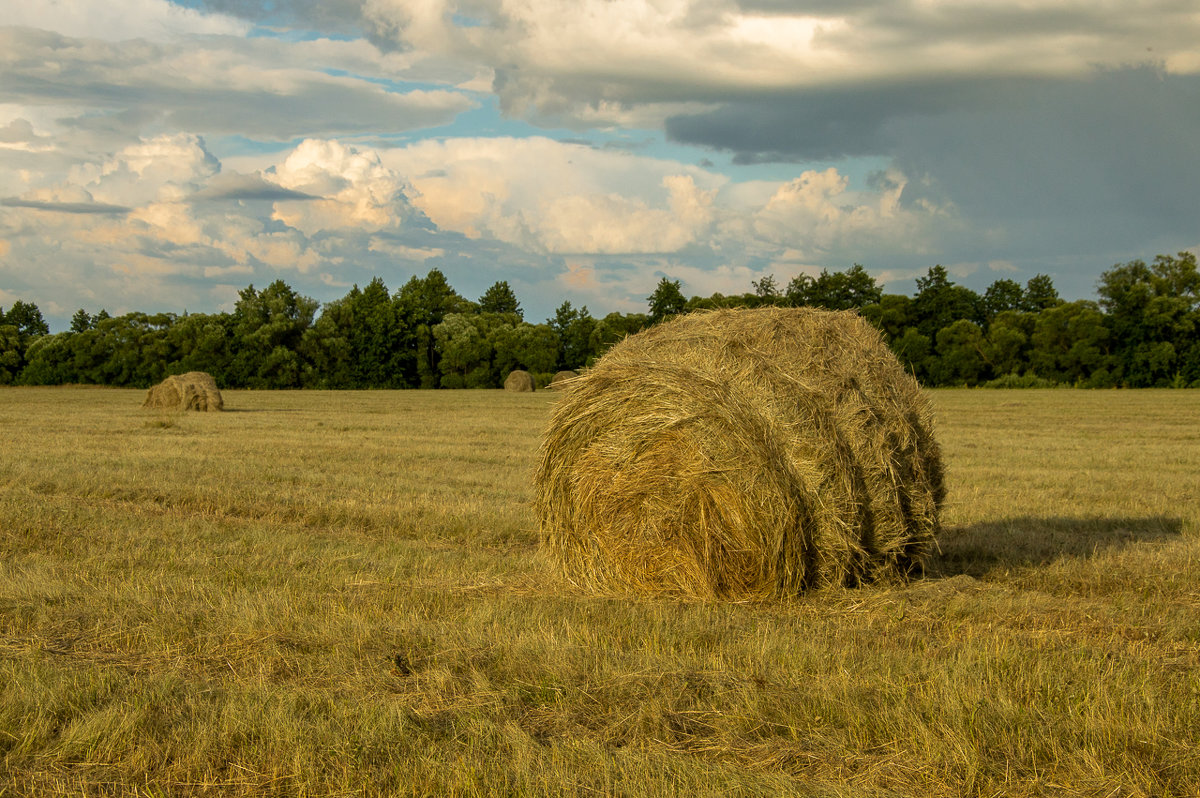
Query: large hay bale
x=560, y=379
x=519, y=381
x=741, y=454
x=194, y=390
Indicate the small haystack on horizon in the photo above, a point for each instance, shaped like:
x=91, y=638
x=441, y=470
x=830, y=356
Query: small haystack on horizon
x=195, y=390
x=557, y=382
x=519, y=381
x=743, y=454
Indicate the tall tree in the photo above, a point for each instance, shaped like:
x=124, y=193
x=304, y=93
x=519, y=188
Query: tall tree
x=1007, y=347
x=666, y=301
x=423, y=303
x=500, y=299
x=1069, y=344
x=1152, y=314
x=939, y=303
x=851, y=289
x=960, y=354
x=20, y=328
x=1003, y=295
x=574, y=330
x=766, y=290
x=82, y=320
x=268, y=328
x=27, y=318
x=1039, y=294
x=613, y=328
x=378, y=345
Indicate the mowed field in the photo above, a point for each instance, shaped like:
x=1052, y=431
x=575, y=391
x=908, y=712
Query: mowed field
x=322, y=593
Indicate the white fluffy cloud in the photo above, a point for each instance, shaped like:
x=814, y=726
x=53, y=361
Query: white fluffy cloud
x=165, y=210
x=559, y=198
x=353, y=189
x=815, y=215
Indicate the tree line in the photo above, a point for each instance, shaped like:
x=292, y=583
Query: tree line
x=1143, y=331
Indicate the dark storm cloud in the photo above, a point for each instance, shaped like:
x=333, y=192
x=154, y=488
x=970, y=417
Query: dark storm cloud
x=1119, y=142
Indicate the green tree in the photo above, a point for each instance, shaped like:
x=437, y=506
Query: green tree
x=1007, y=345
x=1153, y=318
x=960, y=354
x=47, y=361
x=574, y=330
x=532, y=347
x=719, y=301
x=1039, y=294
x=939, y=303
x=892, y=315
x=82, y=320
x=1069, y=345
x=12, y=353
x=1002, y=296
x=666, y=301
x=326, y=346
x=201, y=342
x=500, y=299
x=914, y=350
x=465, y=352
x=613, y=328
x=27, y=318
x=268, y=329
x=851, y=289
x=423, y=303
x=380, y=348
x=766, y=290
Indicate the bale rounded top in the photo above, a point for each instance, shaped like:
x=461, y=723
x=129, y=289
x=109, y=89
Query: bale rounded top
x=558, y=382
x=519, y=381
x=741, y=453
x=194, y=390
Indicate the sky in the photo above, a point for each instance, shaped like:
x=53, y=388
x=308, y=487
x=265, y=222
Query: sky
x=160, y=156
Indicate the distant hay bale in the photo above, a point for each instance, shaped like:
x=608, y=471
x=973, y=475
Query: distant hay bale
x=561, y=377
x=519, y=381
x=741, y=454
x=194, y=390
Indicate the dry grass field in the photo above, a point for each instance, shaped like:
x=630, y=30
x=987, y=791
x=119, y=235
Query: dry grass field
x=340, y=594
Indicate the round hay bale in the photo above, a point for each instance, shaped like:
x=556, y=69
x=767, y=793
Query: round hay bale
x=560, y=379
x=194, y=390
x=741, y=454
x=519, y=381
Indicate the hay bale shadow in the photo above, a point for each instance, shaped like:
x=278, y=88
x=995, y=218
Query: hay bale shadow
x=989, y=546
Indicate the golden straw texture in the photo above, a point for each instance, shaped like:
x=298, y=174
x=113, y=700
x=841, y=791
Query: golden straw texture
x=194, y=390
x=741, y=454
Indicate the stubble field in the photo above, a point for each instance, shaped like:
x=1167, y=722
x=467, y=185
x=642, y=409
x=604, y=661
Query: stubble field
x=322, y=593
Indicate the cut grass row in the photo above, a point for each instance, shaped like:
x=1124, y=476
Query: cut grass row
x=340, y=594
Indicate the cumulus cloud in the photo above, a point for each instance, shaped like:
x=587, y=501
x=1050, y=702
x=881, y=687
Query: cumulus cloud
x=353, y=189
x=556, y=197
